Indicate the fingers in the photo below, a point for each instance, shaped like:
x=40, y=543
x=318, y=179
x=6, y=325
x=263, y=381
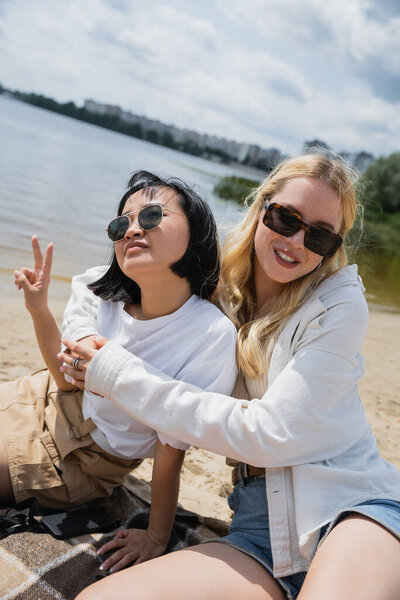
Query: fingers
x=79, y=348
x=133, y=546
x=116, y=542
x=17, y=284
x=77, y=376
x=89, y=341
x=119, y=560
x=122, y=533
x=29, y=274
x=69, y=361
x=80, y=384
x=126, y=560
x=21, y=281
x=77, y=372
x=48, y=259
x=37, y=254
x=123, y=556
x=24, y=272
x=100, y=341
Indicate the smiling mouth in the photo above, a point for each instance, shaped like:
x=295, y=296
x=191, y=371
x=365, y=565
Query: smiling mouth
x=288, y=260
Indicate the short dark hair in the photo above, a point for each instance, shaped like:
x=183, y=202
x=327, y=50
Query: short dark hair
x=200, y=264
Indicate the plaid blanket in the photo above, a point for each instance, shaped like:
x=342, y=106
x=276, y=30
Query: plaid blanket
x=36, y=566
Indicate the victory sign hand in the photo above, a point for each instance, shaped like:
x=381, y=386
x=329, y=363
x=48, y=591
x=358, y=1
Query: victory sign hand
x=35, y=282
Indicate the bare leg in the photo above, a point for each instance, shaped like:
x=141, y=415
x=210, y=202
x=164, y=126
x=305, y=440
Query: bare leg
x=6, y=490
x=359, y=560
x=204, y=572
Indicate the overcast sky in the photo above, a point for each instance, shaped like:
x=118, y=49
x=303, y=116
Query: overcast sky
x=271, y=72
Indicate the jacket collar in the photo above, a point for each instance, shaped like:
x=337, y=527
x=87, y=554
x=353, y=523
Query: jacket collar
x=346, y=276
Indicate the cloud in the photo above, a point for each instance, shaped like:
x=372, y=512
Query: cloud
x=292, y=23
x=383, y=82
x=273, y=73
x=287, y=88
x=367, y=46
x=355, y=37
x=383, y=10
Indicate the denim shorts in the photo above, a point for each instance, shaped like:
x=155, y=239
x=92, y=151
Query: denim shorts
x=249, y=531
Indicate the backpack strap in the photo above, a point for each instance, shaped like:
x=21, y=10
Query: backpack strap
x=21, y=517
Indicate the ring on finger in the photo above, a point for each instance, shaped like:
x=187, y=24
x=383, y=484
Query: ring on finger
x=75, y=363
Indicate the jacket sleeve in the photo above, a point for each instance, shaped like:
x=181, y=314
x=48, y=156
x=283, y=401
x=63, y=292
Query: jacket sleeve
x=80, y=316
x=310, y=413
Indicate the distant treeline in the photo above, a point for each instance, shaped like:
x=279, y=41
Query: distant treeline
x=115, y=123
x=191, y=142
x=379, y=195
x=378, y=187
x=108, y=121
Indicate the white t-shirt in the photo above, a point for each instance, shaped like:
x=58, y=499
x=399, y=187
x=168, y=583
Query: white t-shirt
x=196, y=344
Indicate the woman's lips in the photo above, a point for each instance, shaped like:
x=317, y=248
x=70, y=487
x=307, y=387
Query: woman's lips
x=285, y=258
x=135, y=247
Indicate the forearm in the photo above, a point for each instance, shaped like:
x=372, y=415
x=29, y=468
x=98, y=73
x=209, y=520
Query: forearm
x=49, y=341
x=165, y=490
x=299, y=419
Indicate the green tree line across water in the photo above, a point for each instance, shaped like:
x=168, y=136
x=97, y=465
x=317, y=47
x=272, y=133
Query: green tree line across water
x=115, y=123
x=191, y=142
x=378, y=187
x=374, y=240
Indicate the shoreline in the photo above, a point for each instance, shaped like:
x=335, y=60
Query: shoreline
x=205, y=481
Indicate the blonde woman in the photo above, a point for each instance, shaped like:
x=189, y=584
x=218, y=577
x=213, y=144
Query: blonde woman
x=316, y=510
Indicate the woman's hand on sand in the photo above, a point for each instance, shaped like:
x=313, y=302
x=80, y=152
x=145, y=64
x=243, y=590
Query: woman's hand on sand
x=84, y=350
x=35, y=282
x=134, y=546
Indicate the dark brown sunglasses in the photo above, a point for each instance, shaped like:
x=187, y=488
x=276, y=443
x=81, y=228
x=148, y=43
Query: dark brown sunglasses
x=287, y=222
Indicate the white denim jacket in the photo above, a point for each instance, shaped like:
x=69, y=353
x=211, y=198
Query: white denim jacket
x=308, y=429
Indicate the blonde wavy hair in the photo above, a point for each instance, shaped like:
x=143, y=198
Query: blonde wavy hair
x=257, y=334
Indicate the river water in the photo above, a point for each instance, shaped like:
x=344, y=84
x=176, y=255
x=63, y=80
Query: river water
x=62, y=179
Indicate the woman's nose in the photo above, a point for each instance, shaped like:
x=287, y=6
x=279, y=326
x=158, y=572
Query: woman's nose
x=297, y=239
x=134, y=228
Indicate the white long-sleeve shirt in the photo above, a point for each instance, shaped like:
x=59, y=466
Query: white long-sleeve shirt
x=196, y=344
x=308, y=429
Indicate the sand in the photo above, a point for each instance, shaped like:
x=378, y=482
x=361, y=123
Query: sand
x=205, y=477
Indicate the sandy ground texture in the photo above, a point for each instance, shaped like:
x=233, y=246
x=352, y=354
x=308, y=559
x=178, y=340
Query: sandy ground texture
x=205, y=477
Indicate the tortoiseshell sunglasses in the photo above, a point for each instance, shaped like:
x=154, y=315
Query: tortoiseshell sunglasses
x=287, y=222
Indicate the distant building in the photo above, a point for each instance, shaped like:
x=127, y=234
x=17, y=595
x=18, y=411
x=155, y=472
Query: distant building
x=359, y=160
x=102, y=109
x=94, y=107
x=113, y=110
x=212, y=145
x=222, y=148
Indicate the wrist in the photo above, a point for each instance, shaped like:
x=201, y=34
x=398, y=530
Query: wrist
x=87, y=336
x=155, y=539
x=39, y=311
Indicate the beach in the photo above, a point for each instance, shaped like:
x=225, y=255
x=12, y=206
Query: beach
x=205, y=479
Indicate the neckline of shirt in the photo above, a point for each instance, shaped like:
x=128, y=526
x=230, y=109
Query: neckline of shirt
x=159, y=321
